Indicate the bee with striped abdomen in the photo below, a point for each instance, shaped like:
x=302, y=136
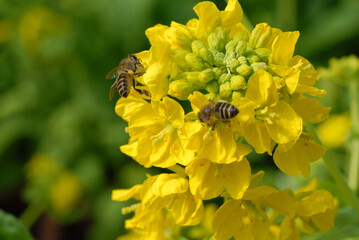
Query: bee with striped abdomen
x=125, y=72
x=218, y=111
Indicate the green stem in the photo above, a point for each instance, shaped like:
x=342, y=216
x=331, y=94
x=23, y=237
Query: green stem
x=178, y=169
x=247, y=23
x=31, y=214
x=353, y=174
x=337, y=176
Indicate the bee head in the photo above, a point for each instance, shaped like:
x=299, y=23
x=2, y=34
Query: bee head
x=205, y=114
x=134, y=58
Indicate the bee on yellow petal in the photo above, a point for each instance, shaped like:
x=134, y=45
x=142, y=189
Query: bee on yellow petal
x=126, y=72
x=216, y=111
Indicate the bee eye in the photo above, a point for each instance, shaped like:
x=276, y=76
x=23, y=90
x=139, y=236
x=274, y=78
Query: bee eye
x=134, y=58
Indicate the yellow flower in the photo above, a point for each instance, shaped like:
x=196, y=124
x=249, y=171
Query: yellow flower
x=165, y=191
x=155, y=131
x=218, y=144
x=334, y=131
x=273, y=119
x=297, y=159
x=208, y=180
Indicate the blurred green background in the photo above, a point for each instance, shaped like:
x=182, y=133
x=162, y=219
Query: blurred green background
x=54, y=96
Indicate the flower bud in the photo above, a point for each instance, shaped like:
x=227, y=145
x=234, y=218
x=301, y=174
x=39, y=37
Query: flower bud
x=180, y=89
x=279, y=82
x=258, y=65
x=225, y=77
x=263, y=53
x=219, y=58
x=253, y=58
x=241, y=36
x=230, y=48
x=225, y=90
x=236, y=95
x=218, y=39
x=233, y=65
x=206, y=55
x=237, y=82
x=195, y=61
x=179, y=34
x=260, y=35
x=193, y=77
x=213, y=87
x=196, y=46
x=206, y=76
x=217, y=72
x=241, y=48
x=244, y=70
x=242, y=60
x=178, y=56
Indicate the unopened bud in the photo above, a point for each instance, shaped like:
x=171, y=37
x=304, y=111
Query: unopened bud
x=195, y=61
x=260, y=35
x=206, y=76
x=244, y=70
x=193, y=77
x=219, y=58
x=252, y=59
x=196, y=46
x=242, y=60
x=217, y=72
x=237, y=82
x=212, y=87
x=257, y=66
x=241, y=36
x=233, y=65
x=180, y=89
x=218, y=39
x=230, y=48
x=176, y=35
x=225, y=77
x=241, y=48
x=279, y=82
x=178, y=56
x=206, y=55
x=225, y=90
x=236, y=95
x=263, y=53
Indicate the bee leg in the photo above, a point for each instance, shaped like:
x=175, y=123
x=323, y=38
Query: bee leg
x=141, y=91
x=139, y=74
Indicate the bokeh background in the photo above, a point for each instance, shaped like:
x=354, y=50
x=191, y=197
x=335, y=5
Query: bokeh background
x=59, y=134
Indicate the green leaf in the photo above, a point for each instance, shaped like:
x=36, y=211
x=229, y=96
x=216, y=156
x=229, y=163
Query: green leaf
x=346, y=226
x=12, y=229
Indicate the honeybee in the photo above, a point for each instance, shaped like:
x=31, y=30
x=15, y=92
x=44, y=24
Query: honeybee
x=126, y=72
x=217, y=111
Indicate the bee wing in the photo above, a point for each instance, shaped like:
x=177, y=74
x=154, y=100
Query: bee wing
x=113, y=90
x=112, y=72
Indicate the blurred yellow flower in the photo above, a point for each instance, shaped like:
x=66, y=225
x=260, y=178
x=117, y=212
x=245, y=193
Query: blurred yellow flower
x=334, y=131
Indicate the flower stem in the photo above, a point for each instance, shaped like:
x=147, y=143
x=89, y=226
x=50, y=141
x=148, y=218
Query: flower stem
x=353, y=178
x=178, y=169
x=337, y=176
x=247, y=23
x=31, y=214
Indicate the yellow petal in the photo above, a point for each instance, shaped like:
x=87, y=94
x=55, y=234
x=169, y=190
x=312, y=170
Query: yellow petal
x=297, y=159
x=125, y=194
x=288, y=230
x=257, y=136
x=219, y=146
x=232, y=14
x=173, y=112
x=310, y=109
x=126, y=107
x=286, y=125
x=261, y=89
x=283, y=48
x=153, y=33
x=209, y=18
x=167, y=184
x=147, y=220
x=156, y=79
x=198, y=101
x=308, y=74
x=203, y=179
x=236, y=178
x=228, y=220
x=187, y=209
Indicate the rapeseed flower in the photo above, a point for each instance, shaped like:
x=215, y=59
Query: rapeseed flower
x=215, y=58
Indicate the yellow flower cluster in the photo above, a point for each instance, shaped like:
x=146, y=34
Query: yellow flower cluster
x=52, y=187
x=216, y=58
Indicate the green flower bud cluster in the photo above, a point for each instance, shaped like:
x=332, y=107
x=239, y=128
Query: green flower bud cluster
x=221, y=65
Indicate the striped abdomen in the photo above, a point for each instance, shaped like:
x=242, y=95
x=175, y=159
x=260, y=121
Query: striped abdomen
x=225, y=110
x=123, y=86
